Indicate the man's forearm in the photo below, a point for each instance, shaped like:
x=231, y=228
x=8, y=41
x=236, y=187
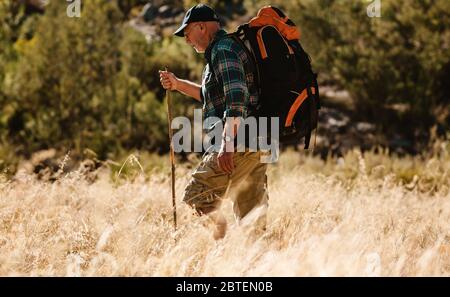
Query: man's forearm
x=189, y=88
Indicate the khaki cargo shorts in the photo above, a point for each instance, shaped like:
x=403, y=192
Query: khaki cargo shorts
x=247, y=184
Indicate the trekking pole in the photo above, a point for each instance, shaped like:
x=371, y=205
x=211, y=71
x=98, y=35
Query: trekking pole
x=172, y=156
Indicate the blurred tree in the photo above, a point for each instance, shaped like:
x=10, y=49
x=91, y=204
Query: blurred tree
x=12, y=16
x=126, y=6
x=69, y=67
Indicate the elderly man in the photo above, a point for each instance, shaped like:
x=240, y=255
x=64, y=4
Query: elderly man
x=227, y=92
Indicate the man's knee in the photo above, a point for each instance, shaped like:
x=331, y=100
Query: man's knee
x=202, y=204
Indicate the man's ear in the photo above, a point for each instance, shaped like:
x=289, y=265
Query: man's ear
x=202, y=27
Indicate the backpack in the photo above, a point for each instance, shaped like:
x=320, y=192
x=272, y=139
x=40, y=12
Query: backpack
x=287, y=86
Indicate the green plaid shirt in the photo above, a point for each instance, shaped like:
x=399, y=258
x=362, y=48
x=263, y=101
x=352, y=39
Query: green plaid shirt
x=229, y=89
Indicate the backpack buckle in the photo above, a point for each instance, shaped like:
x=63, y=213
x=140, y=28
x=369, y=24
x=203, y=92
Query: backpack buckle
x=289, y=130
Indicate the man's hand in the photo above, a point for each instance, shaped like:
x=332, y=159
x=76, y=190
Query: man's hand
x=168, y=80
x=226, y=152
x=225, y=156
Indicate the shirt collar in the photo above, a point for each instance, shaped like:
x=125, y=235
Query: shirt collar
x=219, y=34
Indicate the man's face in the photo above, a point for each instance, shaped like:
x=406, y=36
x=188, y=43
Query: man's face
x=195, y=35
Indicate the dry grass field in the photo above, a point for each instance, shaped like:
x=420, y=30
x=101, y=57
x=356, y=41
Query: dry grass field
x=370, y=214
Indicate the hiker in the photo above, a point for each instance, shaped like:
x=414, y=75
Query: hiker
x=227, y=92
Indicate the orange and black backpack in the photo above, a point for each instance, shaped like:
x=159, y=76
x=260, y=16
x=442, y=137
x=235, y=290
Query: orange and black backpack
x=287, y=85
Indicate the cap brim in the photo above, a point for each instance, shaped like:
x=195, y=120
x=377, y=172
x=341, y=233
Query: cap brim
x=180, y=31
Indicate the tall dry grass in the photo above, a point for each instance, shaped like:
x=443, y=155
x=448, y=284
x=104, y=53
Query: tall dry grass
x=365, y=214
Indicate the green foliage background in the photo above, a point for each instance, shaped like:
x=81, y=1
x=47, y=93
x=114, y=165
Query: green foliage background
x=92, y=82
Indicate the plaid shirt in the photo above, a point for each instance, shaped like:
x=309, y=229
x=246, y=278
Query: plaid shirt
x=228, y=90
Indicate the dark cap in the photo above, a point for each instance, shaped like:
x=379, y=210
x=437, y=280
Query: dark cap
x=197, y=13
